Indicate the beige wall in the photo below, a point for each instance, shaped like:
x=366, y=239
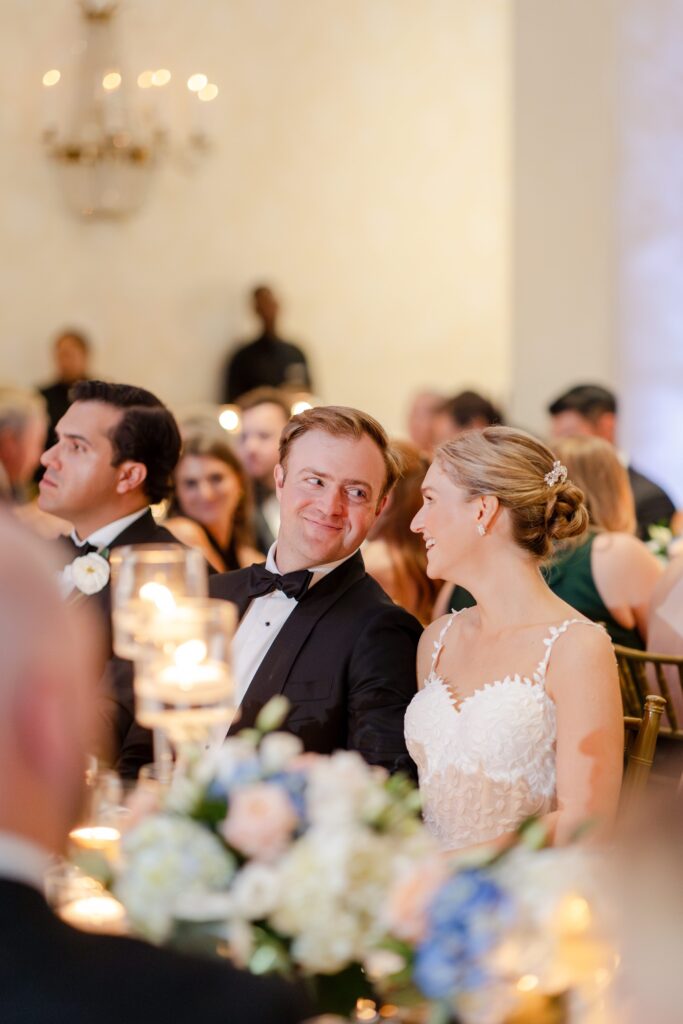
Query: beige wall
x=361, y=163
x=564, y=203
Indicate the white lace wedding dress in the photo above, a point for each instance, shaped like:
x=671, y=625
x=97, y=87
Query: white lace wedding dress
x=487, y=762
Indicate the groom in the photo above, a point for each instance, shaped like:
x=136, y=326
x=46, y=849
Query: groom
x=313, y=625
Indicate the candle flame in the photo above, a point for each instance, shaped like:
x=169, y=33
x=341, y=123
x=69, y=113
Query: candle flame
x=159, y=595
x=190, y=654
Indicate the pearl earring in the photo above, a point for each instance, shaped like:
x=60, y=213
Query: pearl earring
x=482, y=530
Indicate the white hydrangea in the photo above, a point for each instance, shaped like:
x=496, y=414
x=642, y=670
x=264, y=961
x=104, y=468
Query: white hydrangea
x=343, y=789
x=256, y=891
x=165, y=861
x=332, y=888
x=278, y=749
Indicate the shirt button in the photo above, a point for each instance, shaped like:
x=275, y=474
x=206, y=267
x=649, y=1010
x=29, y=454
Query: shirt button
x=267, y=623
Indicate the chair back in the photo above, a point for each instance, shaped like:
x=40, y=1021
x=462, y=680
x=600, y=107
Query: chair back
x=642, y=672
x=640, y=748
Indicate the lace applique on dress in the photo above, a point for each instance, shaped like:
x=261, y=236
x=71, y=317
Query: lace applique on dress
x=487, y=762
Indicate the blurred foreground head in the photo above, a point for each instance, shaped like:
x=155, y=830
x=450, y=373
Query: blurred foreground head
x=47, y=694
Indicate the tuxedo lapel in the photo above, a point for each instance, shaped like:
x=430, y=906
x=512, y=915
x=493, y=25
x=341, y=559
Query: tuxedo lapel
x=272, y=673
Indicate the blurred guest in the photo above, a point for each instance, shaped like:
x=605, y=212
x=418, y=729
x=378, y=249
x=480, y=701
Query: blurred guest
x=117, y=446
x=212, y=505
x=71, y=352
x=665, y=628
x=394, y=555
x=268, y=360
x=422, y=420
x=50, y=971
x=589, y=409
x=265, y=411
x=23, y=427
x=467, y=410
x=611, y=575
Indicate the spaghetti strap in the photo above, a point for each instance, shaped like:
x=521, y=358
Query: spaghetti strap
x=439, y=644
x=554, y=633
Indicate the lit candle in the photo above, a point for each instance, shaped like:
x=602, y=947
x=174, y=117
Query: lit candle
x=102, y=838
x=100, y=913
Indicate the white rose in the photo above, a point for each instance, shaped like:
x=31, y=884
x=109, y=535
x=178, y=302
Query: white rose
x=278, y=749
x=256, y=891
x=90, y=573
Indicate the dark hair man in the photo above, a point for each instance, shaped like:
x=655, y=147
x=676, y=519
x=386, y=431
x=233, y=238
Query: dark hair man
x=467, y=410
x=268, y=360
x=116, y=448
x=313, y=624
x=592, y=409
x=49, y=971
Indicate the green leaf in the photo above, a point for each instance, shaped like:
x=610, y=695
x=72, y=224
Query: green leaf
x=273, y=714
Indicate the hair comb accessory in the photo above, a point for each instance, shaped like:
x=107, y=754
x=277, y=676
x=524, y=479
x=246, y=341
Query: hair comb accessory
x=557, y=475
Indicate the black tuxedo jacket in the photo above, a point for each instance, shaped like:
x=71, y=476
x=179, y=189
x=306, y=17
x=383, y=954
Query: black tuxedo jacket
x=345, y=658
x=50, y=974
x=126, y=745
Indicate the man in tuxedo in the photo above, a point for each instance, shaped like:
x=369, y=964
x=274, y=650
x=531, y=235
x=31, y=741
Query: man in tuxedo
x=116, y=448
x=49, y=971
x=314, y=625
x=592, y=409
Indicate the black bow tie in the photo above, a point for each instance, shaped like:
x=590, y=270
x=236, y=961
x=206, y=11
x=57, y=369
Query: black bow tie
x=294, y=584
x=83, y=549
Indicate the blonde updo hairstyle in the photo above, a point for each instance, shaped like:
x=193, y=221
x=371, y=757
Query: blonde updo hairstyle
x=512, y=465
x=597, y=469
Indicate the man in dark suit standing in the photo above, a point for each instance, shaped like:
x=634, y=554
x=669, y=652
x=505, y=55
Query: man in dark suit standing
x=49, y=972
x=116, y=448
x=314, y=626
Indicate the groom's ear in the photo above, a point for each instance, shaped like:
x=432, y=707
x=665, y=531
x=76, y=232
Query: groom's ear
x=279, y=475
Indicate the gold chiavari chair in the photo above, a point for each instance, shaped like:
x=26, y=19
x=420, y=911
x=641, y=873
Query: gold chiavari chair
x=641, y=742
x=638, y=671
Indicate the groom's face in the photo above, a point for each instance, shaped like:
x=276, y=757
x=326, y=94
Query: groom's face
x=329, y=498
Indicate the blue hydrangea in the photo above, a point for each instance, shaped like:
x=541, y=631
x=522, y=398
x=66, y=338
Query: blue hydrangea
x=294, y=784
x=465, y=922
x=241, y=773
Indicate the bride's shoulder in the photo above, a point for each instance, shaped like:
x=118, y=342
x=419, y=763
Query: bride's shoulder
x=584, y=652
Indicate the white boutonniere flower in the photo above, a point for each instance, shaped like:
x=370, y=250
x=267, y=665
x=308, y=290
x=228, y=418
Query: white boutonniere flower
x=89, y=573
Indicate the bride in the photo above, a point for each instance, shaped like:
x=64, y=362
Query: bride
x=518, y=710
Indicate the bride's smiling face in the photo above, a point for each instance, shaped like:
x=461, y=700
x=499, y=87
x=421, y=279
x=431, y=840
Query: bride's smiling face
x=447, y=522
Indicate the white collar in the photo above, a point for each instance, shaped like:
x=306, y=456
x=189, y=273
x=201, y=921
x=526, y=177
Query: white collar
x=22, y=860
x=102, y=537
x=318, y=570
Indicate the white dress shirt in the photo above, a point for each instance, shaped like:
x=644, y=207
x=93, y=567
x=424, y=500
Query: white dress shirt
x=23, y=861
x=103, y=537
x=261, y=624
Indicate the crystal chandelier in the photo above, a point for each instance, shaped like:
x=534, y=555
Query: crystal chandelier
x=110, y=139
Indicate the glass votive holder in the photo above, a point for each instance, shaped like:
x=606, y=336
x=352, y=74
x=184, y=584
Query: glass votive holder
x=97, y=834
x=82, y=902
x=148, y=580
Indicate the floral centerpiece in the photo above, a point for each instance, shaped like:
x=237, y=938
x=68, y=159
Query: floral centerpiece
x=318, y=867
x=491, y=936
x=283, y=857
